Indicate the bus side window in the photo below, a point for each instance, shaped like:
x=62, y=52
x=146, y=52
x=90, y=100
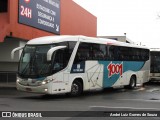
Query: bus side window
x=83, y=53
x=58, y=62
x=109, y=54
x=117, y=53
x=114, y=53
x=98, y=51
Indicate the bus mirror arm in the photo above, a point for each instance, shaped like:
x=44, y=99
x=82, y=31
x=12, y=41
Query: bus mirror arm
x=52, y=50
x=14, y=50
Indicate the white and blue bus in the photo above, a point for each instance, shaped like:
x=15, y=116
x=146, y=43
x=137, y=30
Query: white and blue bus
x=73, y=64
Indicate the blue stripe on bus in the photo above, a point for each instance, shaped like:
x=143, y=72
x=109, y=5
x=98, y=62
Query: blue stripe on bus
x=109, y=78
x=42, y=78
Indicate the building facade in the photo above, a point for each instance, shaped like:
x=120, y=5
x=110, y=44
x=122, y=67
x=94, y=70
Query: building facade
x=118, y=38
x=22, y=20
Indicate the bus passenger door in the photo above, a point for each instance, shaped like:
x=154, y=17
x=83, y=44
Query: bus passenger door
x=60, y=61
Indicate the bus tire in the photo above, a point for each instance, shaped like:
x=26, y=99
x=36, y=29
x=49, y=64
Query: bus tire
x=76, y=88
x=132, y=83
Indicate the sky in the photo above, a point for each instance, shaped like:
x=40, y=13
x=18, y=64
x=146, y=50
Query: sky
x=139, y=19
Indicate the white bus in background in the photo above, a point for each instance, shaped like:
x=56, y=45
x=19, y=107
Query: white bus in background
x=155, y=64
x=73, y=64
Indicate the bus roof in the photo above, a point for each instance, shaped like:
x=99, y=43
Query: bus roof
x=155, y=49
x=62, y=38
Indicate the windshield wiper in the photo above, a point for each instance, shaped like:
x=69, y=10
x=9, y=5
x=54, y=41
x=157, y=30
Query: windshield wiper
x=44, y=68
x=24, y=70
x=29, y=65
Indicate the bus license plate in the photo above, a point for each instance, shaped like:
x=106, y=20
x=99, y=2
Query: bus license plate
x=28, y=89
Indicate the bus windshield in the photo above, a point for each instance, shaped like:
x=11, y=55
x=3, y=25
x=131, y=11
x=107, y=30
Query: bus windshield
x=34, y=62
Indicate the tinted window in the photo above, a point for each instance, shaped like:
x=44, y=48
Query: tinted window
x=71, y=46
x=59, y=60
x=83, y=52
x=92, y=51
x=120, y=53
x=61, y=57
x=155, y=62
x=3, y=5
x=98, y=51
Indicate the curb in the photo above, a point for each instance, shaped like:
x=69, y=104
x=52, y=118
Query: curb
x=9, y=85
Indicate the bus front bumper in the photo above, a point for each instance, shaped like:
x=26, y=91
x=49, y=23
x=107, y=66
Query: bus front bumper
x=49, y=88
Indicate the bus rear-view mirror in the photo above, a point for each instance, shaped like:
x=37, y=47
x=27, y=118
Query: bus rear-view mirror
x=14, y=50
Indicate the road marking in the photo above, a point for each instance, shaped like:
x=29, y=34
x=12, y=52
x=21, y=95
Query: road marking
x=153, y=90
x=152, y=100
x=132, y=108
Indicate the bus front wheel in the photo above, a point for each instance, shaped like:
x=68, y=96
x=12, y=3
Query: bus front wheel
x=76, y=88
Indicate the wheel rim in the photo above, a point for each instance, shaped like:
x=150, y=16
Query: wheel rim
x=75, y=89
x=132, y=83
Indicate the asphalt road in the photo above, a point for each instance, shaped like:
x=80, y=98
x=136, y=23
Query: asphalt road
x=141, y=99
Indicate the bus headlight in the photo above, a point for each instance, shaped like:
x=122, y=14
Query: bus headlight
x=46, y=81
x=18, y=80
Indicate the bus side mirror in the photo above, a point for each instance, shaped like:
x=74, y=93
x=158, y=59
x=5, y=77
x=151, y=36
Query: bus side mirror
x=52, y=50
x=14, y=50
